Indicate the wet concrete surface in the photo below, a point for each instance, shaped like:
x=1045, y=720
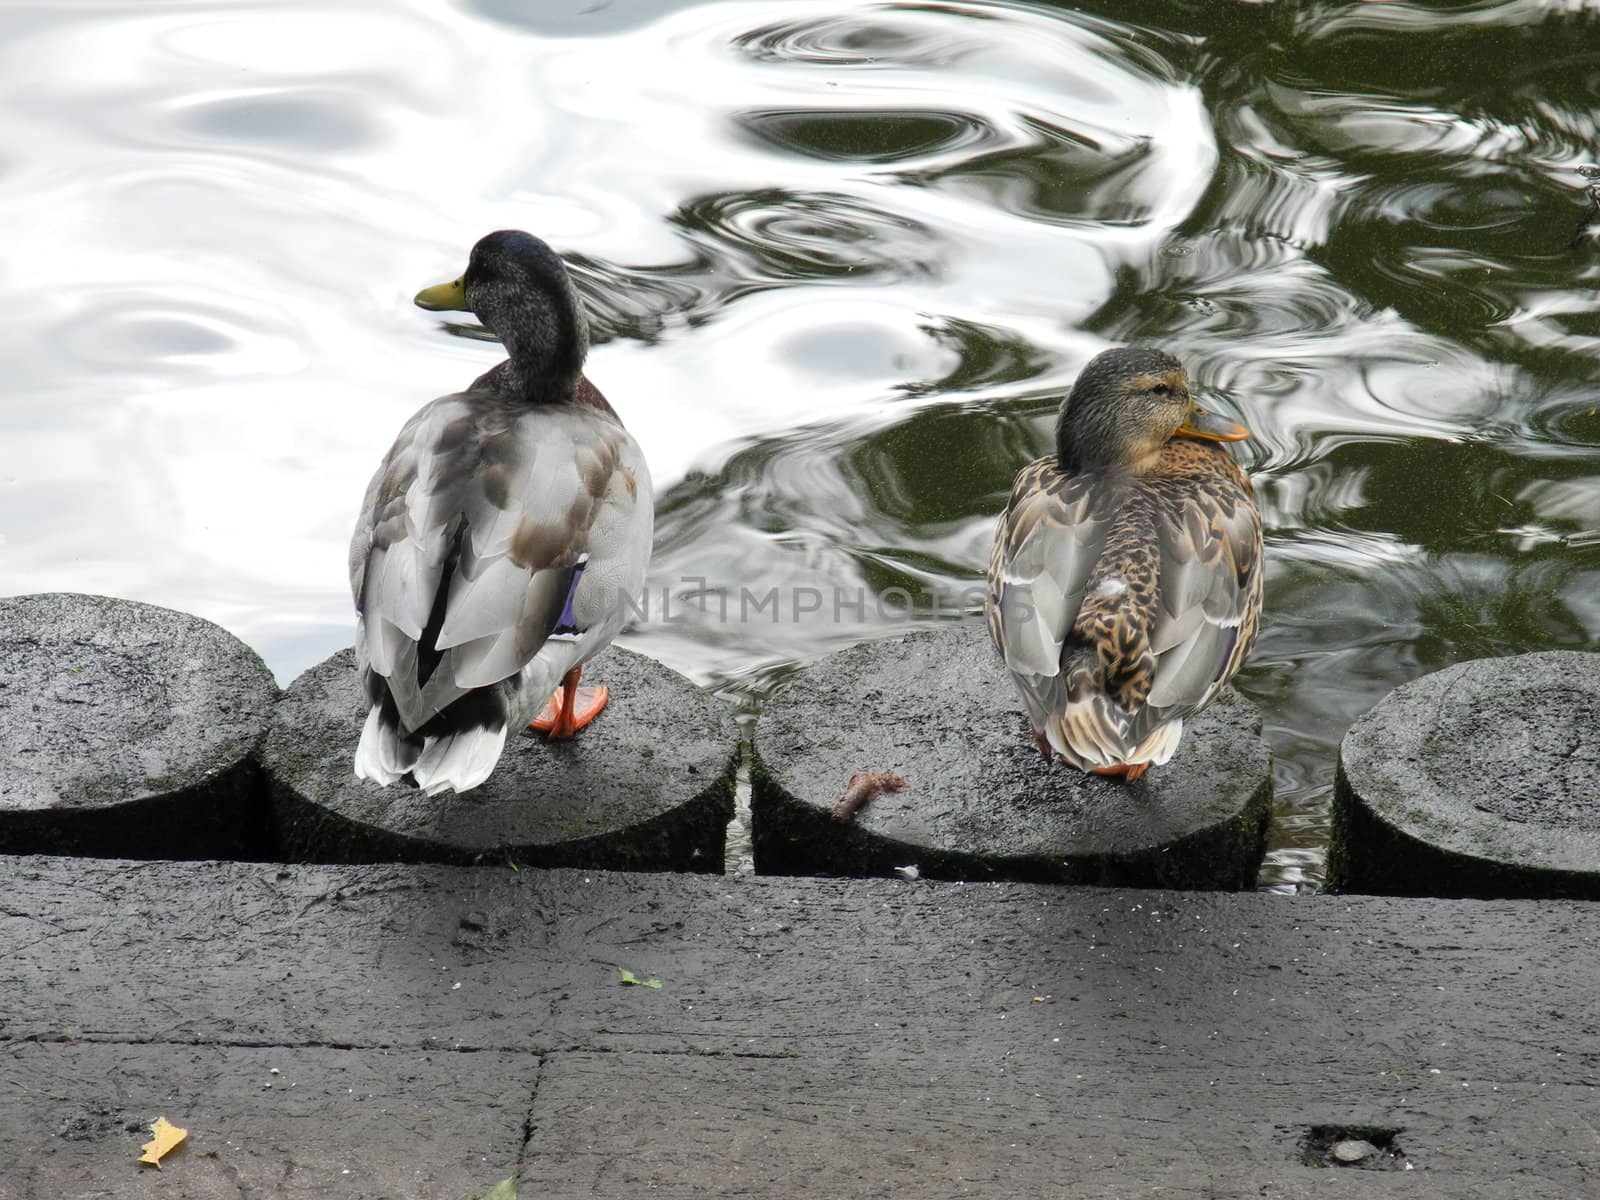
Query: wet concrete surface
x=127, y=729
x=1479, y=780
x=436, y=1029
x=647, y=786
x=280, y=1121
x=981, y=803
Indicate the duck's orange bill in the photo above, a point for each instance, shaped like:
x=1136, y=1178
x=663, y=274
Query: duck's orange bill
x=1209, y=427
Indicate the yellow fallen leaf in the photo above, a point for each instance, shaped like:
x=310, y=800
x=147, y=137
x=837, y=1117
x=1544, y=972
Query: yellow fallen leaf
x=506, y=1189
x=629, y=979
x=168, y=1137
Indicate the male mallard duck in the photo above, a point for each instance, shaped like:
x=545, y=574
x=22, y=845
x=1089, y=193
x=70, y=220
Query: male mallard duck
x=502, y=541
x=1125, y=582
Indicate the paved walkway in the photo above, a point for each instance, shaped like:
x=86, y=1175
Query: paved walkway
x=403, y=1032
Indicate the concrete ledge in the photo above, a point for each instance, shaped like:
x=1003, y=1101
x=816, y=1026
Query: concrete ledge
x=648, y=786
x=127, y=729
x=263, y=1121
x=936, y=708
x=1479, y=780
x=445, y=1027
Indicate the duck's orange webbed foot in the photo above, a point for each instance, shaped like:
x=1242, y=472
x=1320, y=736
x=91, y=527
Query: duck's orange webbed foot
x=571, y=708
x=1128, y=771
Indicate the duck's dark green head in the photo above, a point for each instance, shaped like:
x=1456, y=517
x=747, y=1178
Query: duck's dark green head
x=520, y=290
x=1125, y=406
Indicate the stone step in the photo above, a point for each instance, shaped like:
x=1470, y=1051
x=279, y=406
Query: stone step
x=128, y=729
x=647, y=786
x=437, y=1029
x=937, y=709
x=1479, y=780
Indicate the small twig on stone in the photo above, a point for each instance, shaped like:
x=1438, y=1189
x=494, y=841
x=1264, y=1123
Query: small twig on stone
x=1592, y=174
x=863, y=786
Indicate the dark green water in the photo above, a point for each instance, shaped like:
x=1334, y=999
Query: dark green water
x=843, y=259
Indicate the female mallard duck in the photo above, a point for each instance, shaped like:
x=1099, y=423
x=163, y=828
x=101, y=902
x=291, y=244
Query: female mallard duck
x=1125, y=582
x=502, y=541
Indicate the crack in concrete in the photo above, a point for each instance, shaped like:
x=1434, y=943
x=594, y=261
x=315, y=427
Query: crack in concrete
x=687, y=1052
x=542, y=1053
x=528, y=1127
x=77, y=1039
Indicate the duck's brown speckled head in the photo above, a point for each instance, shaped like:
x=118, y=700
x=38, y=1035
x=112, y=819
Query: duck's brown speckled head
x=1125, y=406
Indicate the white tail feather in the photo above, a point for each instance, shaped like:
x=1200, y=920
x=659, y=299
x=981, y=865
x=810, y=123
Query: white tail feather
x=382, y=755
x=1086, y=737
x=1160, y=745
x=458, y=761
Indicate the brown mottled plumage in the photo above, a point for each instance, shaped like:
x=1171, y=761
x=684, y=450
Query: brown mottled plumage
x=1125, y=580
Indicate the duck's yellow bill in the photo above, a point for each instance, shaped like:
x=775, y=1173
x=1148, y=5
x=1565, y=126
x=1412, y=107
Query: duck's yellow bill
x=444, y=297
x=1209, y=427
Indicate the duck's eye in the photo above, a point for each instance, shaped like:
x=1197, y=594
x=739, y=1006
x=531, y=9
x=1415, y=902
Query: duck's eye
x=1162, y=389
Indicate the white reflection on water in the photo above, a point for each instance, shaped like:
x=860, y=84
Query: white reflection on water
x=227, y=207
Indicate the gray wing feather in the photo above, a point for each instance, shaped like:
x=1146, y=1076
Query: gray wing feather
x=537, y=600
x=1185, y=674
x=503, y=499
x=1051, y=541
x=1207, y=583
x=361, y=539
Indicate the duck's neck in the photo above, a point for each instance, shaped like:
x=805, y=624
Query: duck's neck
x=1089, y=440
x=1132, y=463
x=535, y=385
x=541, y=324
x=546, y=346
x=513, y=384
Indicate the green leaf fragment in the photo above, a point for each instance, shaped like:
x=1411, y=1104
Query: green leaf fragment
x=629, y=979
x=506, y=1189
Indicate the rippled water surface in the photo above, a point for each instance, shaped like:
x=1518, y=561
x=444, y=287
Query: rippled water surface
x=843, y=260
